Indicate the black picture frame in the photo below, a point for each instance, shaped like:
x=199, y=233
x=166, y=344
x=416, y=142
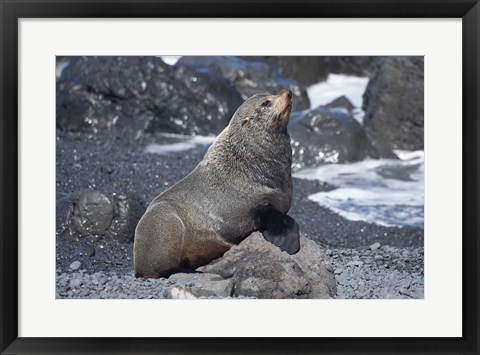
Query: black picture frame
x=12, y=11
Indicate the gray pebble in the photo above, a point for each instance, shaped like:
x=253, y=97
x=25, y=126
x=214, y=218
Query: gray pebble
x=342, y=279
x=375, y=246
x=403, y=291
x=406, y=283
x=75, y=283
x=361, y=286
x=75, y=265
x=355, y=263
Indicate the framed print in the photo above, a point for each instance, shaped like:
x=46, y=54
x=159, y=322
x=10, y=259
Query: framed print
x=205, y=177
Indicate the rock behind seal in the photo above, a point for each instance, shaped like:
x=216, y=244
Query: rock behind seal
x=324, y=135
x=394, y=103
x=142, y=94
x=309, y=70
x=249, y=77
x=259, y=269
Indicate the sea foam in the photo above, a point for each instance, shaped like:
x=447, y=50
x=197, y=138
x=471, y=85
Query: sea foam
x=385, y=192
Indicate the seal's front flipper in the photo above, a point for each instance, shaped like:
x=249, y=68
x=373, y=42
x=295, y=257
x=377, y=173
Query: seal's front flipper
x=281, y=230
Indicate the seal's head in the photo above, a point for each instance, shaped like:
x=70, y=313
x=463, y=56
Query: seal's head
x=265, y=112
x=256, y=138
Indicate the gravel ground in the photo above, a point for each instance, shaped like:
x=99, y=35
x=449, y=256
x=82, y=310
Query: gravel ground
x=386, y=272
x=98, y=162
x=81, y=284
x=96, y=267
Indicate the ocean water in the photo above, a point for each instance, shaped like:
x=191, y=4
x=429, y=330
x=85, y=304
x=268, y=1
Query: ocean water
x=385, y=192
x=338, y=85
x=59, y=68
x=174, y=143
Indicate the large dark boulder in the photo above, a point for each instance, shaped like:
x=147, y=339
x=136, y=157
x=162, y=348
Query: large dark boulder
x=309, y=70
x=95, y=230
x=90, y=213
x=249, y=77
x=394, y=104
x=328, y=136
x=142, y=94
x=349, y=65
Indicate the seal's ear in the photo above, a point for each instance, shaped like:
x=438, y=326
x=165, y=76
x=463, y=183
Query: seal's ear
x=280, y=230
x=245, y=121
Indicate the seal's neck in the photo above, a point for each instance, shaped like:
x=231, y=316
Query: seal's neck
x=262, y=156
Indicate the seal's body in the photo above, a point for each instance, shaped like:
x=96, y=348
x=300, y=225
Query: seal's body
x=243, y=184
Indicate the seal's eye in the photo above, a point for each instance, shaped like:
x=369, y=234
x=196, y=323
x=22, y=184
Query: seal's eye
x=266, y=104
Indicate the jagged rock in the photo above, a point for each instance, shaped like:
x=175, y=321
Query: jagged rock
x=259, y=269
x=328, y=136
x=394, y=103
x=341, y=102
x=249, y=77
x=191, y=286
x=142, y=94
x=350, y=65
x=309, y=70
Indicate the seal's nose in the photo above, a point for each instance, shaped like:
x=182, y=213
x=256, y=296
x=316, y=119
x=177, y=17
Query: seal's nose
x=289, y=94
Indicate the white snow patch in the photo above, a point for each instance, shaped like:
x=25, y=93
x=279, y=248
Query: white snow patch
x=385, y=192
x=338, y=85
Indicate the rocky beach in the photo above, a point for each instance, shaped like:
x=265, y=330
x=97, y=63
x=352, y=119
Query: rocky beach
x=128, y=128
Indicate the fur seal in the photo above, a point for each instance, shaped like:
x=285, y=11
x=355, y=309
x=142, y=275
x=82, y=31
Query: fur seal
x=243, y=184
